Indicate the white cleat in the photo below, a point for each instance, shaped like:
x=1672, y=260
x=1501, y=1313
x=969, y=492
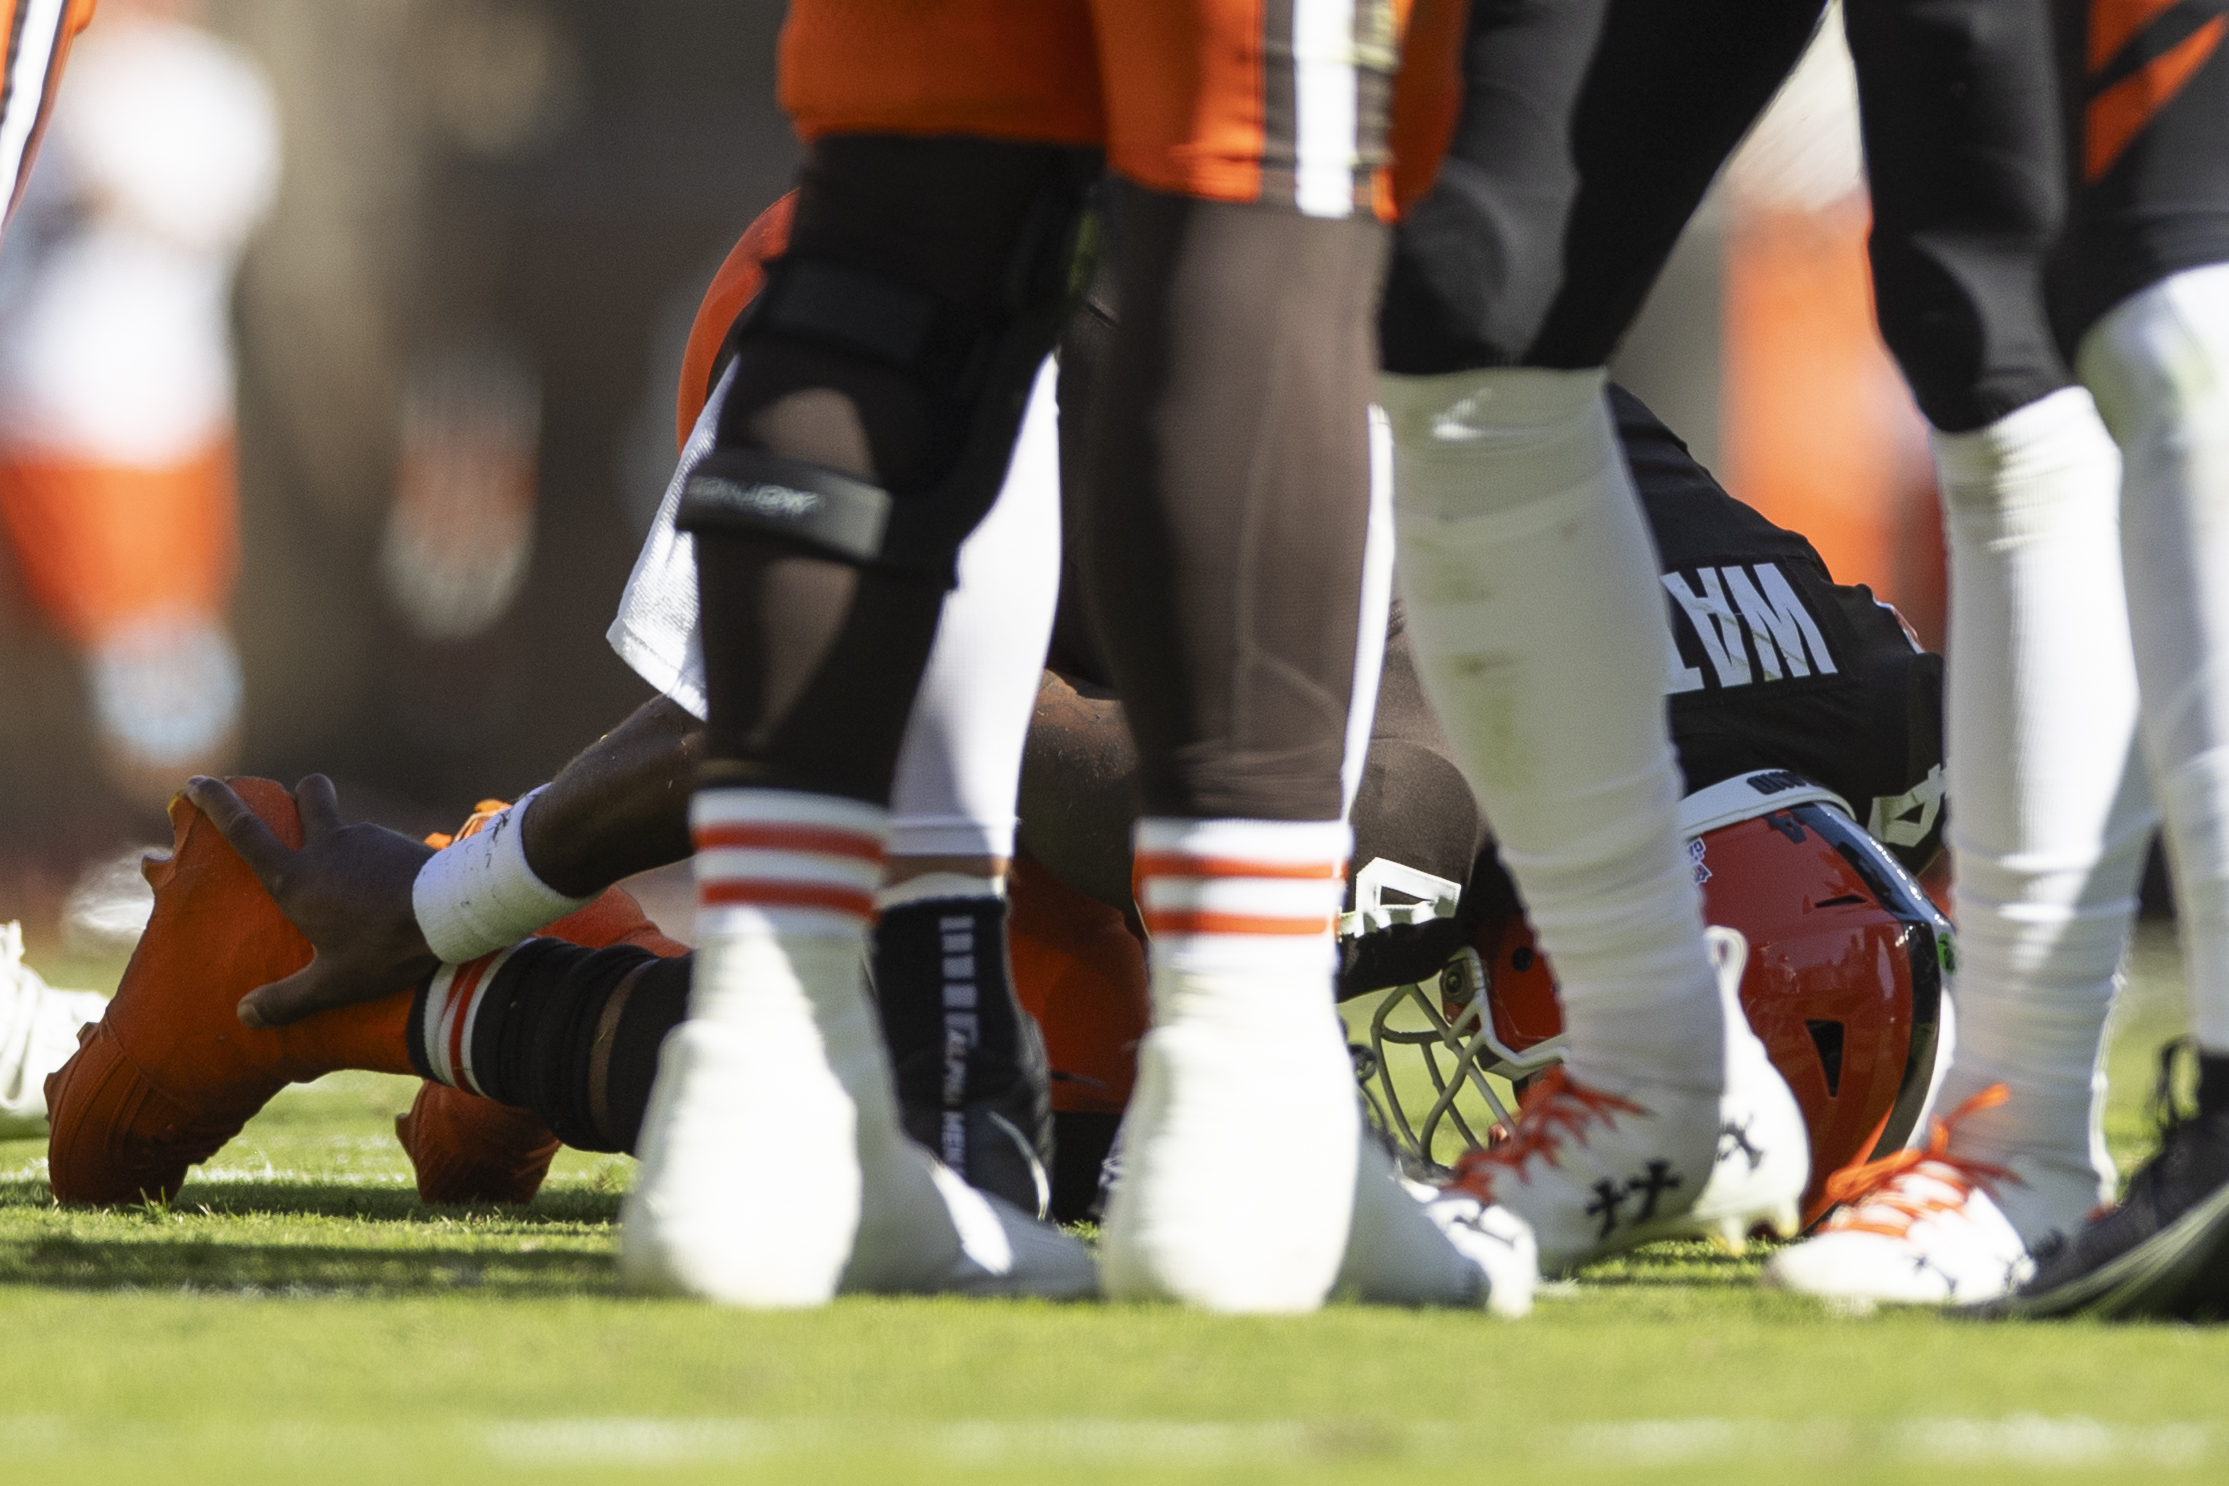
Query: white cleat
x=1239, y=1151
x=775, y=1174
x=1407, y=1249
x=1596, y=1173
x=1923, y=1239
x=1005, y=1251
x=1922, y=1227
x=749, y=1189
x=1499, y=1243
x=38, y=1034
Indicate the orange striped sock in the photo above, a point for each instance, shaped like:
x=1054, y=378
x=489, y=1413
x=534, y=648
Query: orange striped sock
x=1241, y=894
x=783, y=862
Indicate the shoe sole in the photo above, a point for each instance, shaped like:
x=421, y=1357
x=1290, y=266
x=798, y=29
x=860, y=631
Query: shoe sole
x=2175, y=1274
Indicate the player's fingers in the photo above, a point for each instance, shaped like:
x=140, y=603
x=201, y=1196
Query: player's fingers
x=242, y=829
x=320, y=805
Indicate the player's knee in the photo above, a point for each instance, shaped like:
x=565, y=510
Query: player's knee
x=2160, y=357
x=1546, y=431
x=1965, y=321
x=881, y=373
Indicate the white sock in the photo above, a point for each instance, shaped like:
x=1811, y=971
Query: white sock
x=2159, y=367
x=2049, y=816
x=1541, y=634
x=773, y=1163
x=1239, y=1150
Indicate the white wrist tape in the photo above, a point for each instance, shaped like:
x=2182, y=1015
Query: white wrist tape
x=478, y=895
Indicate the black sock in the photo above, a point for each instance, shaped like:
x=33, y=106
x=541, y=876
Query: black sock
x=2213, y=1083
x=949, y=1015
x=1084, y=1138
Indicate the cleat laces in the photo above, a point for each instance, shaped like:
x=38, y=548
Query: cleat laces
x=1889, y=1195
x=1554, y=1110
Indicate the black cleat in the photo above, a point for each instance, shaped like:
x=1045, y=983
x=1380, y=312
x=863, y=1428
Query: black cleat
x=2163, y=1253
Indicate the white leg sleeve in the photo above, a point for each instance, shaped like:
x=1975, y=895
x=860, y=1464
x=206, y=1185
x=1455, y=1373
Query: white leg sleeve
x=962, y=754
x=2159, y=366
x=2049, y=814
x=961, y=759
x=1377, y=600
x=1541, y=636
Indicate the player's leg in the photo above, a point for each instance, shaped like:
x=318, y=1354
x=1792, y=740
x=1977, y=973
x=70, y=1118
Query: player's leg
x=970, y=1066
x=854, y=453
x=953, y=800
x=2159, y=365
x=1227, y=516
x=2051, y=818
x=1589, y=134
x=2141, y=289
x=1225, y=553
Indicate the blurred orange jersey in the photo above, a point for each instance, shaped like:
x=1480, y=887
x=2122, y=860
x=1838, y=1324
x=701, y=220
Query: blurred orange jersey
x=38, y=35
x=1287, y=102
x=737, y=283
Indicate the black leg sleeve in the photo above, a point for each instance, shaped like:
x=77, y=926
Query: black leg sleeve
x=572, y=1034
x=1589, y=132
x=1963, y=141
x=1230, y=499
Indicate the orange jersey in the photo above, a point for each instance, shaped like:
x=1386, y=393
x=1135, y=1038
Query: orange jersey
x=1287, y=102
x=37, y=40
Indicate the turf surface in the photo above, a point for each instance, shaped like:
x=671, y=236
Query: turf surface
x=296, y=1314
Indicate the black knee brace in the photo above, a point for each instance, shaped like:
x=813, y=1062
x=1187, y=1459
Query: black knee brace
x=982, y=367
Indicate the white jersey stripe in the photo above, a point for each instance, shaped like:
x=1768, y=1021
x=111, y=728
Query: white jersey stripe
x=1327, y=108
x=38, y=28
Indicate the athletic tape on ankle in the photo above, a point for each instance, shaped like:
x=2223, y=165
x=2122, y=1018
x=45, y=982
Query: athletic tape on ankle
x=478, y=895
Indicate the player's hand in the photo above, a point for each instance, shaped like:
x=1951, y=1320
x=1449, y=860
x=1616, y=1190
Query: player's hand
x=347, y=890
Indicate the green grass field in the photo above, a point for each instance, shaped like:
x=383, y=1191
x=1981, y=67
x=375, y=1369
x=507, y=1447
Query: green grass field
x=298, y=1315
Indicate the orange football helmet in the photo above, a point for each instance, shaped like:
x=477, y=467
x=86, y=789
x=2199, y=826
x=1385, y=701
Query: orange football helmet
x=1848, y=958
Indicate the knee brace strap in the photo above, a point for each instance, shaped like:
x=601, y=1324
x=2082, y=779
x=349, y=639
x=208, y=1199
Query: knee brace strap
x=810, y=504
x=983, y=369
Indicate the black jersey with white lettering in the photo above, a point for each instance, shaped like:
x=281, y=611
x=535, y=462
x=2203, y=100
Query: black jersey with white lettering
x=1777, y=666
x=2146, y=89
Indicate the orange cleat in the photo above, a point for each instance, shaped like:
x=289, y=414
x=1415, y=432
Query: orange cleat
x=466, y=1149
x=169, y=1074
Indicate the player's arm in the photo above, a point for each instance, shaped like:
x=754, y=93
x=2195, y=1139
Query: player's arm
x=378, y=918
x=1079, y=790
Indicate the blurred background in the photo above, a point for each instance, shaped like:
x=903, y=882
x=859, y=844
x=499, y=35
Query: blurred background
x=462, y=241
x=394, y=292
